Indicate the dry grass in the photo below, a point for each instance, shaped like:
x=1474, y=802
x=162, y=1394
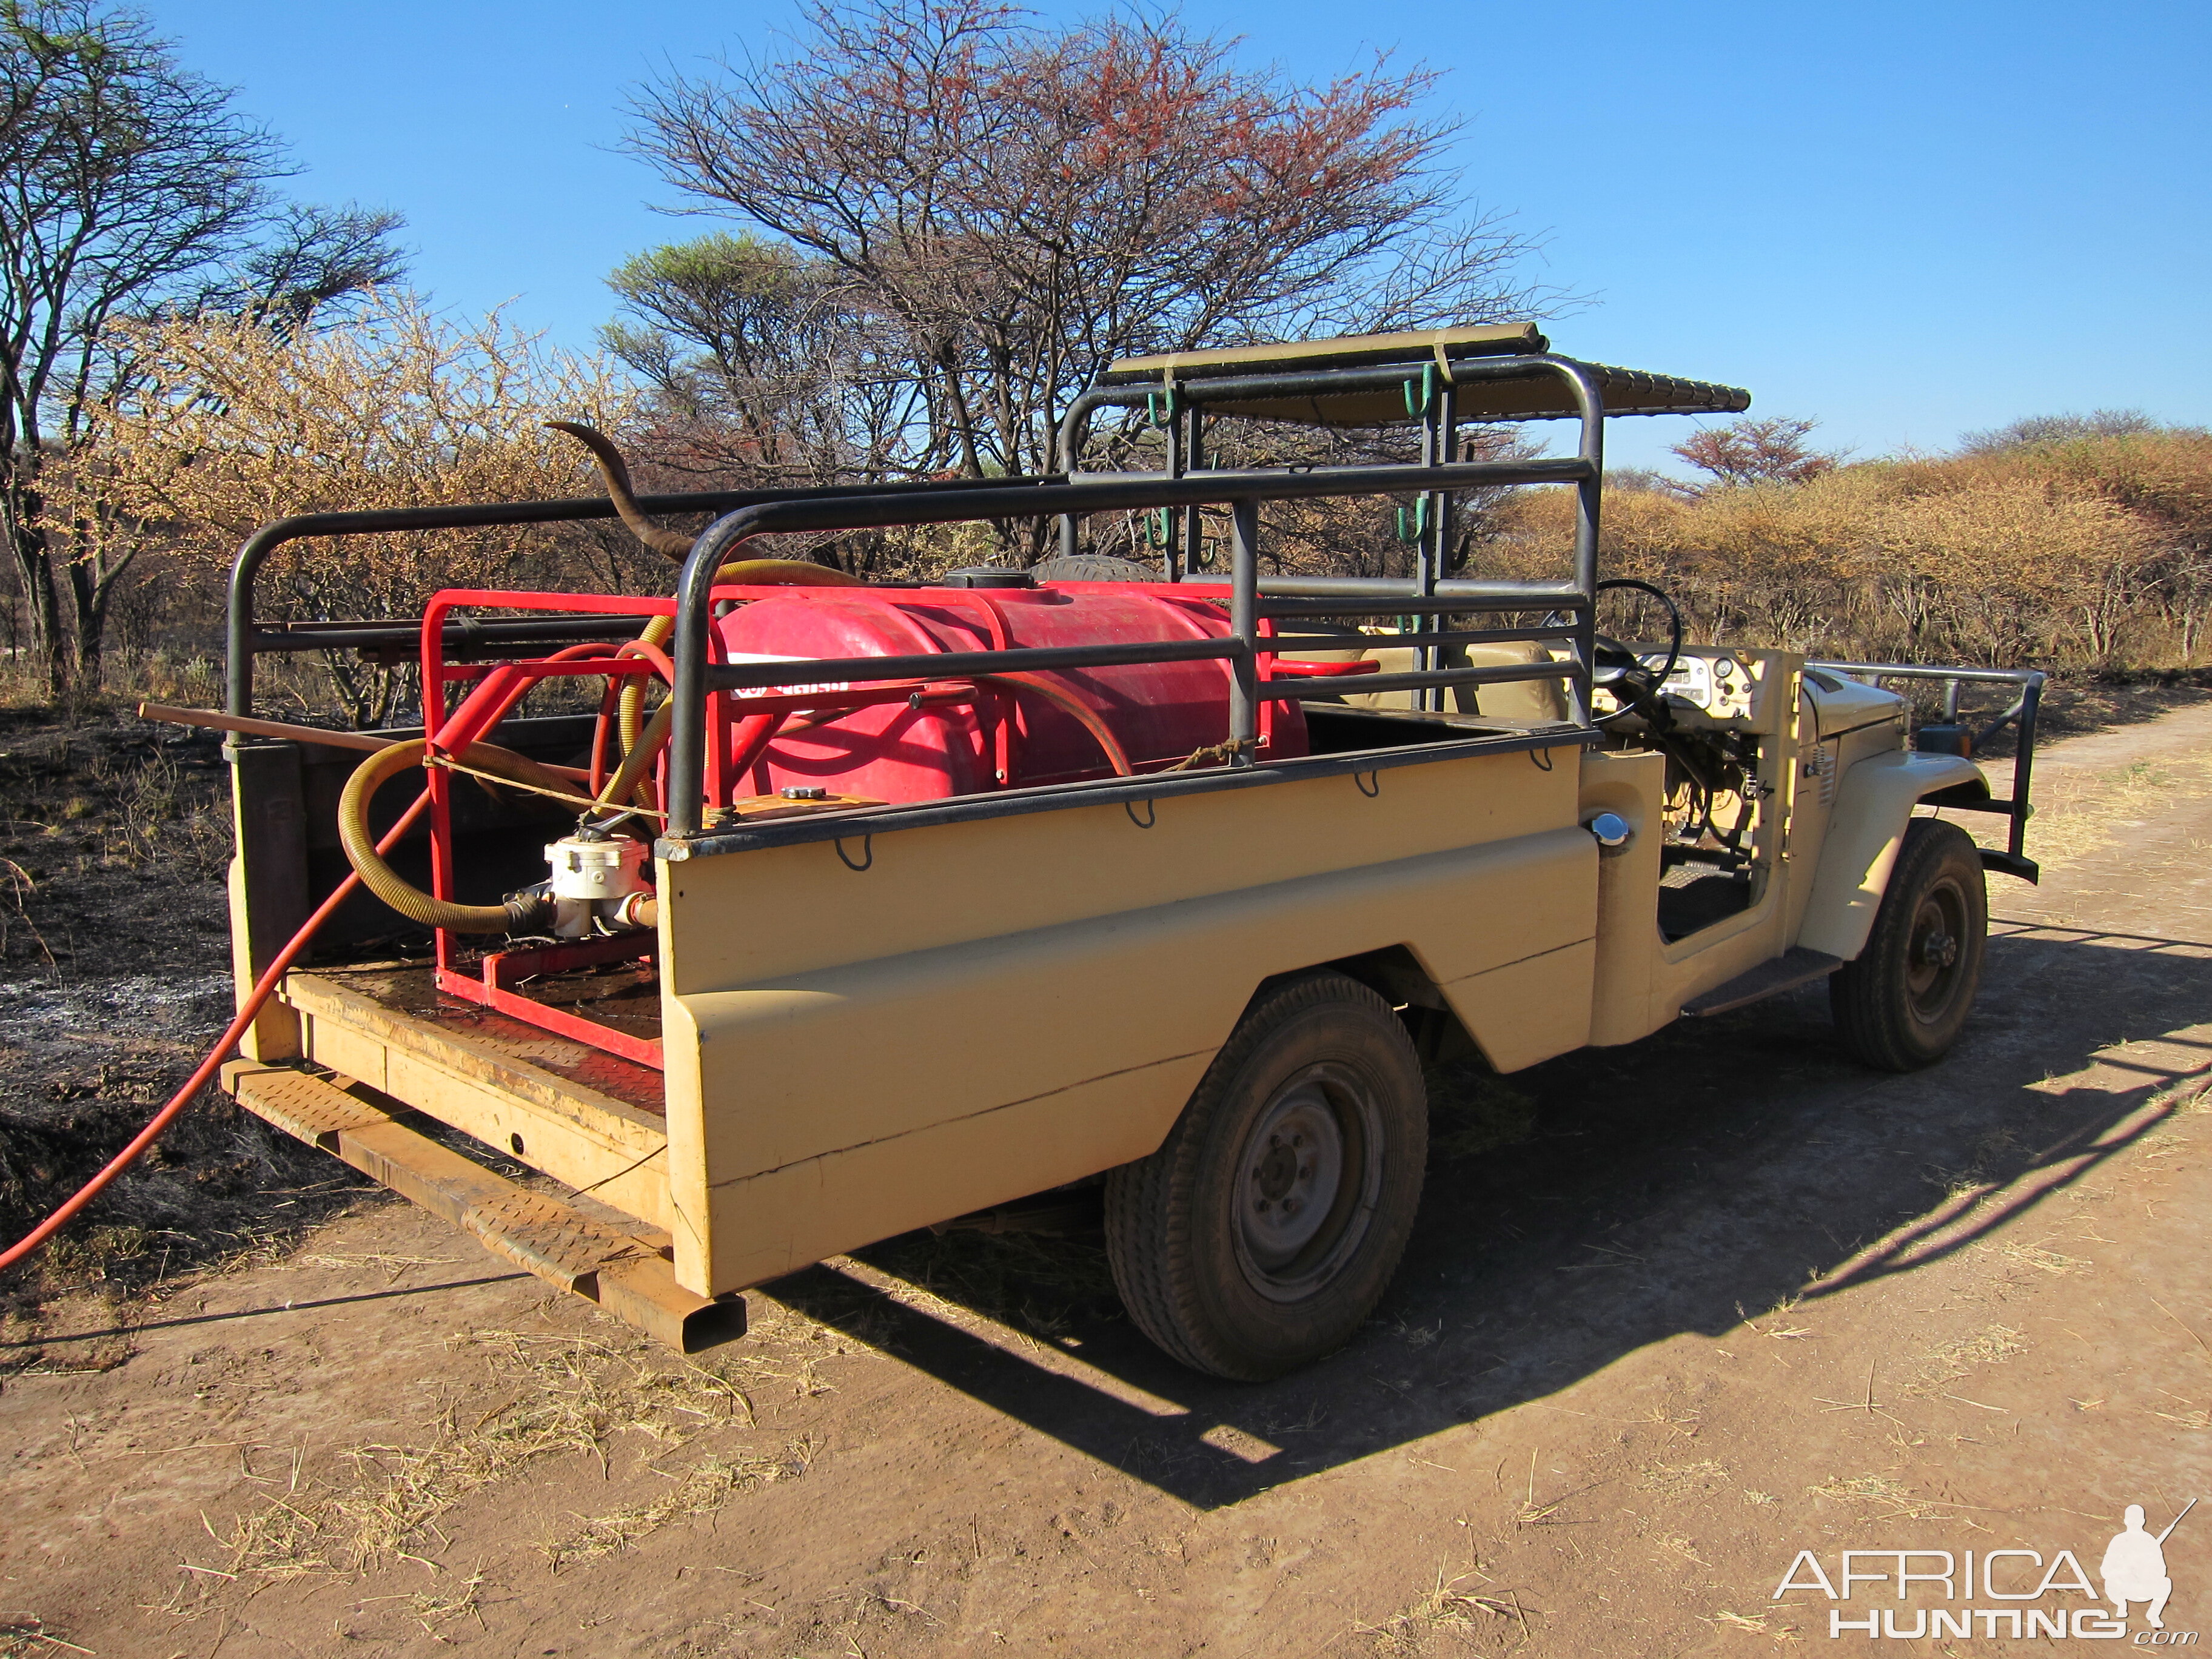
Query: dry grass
x=1676, y=1544
x=1891, y=1497
x=1445, y=1609
x=156, y=674
x=701, y=1489
x=153, y=811
x=1755, y=1623
x=548, y=1397
x=2084, y=555
x=2190, y=1414
x=2078, y=812
x=432, y=1611
x=1991, y=1346
x=2043, y=1261
x=1683, y=1480
x=25, y=1636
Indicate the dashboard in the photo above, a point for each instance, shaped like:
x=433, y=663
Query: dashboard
x=1719, y=684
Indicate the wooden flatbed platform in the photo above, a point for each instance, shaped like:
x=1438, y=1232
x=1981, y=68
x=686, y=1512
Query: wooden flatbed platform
x=591, y=1121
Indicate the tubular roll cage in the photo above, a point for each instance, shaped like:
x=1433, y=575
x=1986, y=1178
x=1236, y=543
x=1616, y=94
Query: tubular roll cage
x=1180, y=406
x=1254, y=604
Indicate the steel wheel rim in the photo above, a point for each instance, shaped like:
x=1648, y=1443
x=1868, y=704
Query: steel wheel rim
x=1308, y=1177
x=1935, y=951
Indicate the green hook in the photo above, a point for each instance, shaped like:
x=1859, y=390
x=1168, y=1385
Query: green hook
x=1420, y=520
x=1428, y=392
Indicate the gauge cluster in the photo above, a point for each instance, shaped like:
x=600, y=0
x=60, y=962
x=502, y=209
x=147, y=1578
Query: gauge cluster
x=1719, y=684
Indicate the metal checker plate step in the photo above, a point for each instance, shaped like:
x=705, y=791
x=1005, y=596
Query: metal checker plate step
x=625, y=1275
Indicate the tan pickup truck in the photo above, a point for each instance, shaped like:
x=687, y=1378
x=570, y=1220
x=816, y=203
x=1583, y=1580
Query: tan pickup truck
x=860, y=908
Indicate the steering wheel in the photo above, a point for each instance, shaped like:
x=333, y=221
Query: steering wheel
x=1619, y=670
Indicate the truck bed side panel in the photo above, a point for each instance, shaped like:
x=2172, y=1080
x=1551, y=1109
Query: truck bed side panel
x=833, y=1103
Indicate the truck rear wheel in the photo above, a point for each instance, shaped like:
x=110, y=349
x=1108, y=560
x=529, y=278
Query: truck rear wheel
x=1268, y=1224
x=1903, y=1003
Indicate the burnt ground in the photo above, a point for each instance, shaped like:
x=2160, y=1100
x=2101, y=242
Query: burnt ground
x=1675, y=1311
x=114, y=977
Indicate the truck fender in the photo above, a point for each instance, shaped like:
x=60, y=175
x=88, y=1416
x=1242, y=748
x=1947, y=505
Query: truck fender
x=1874, y=802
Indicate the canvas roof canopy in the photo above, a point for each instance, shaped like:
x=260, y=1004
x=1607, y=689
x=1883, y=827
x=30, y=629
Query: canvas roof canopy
x=1459, y=355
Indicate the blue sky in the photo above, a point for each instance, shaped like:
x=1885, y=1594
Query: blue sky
x=1905, y=220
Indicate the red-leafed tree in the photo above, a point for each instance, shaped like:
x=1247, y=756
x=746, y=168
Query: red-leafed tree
x=995, y=210
x=1752, y=451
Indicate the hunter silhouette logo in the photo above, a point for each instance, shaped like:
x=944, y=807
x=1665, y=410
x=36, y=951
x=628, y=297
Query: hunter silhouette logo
x=2134, y=1568
x=2133, y=1571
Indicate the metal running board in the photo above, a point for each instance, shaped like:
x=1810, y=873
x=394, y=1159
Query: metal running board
x=1793, y=968
x=626, y=1275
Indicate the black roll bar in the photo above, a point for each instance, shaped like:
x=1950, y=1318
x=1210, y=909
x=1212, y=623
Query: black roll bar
x=2020, y=713
x=244, y=640
x=1243, y=491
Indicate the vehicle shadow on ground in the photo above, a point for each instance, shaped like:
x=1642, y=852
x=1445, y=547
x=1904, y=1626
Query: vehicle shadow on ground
x=1714, y=1169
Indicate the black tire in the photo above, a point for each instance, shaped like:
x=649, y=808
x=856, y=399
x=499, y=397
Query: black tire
x=1902, y=1005
x=1094, y=567
x=1268, y=1224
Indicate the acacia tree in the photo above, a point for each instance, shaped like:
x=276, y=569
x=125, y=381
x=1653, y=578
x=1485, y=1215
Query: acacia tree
x=1771, y=450
x=1012, y=206
x=128, y=185
x=2035, y=431
x=765, y=365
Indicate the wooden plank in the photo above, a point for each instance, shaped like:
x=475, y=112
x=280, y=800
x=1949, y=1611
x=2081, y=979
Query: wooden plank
x=583, y=1139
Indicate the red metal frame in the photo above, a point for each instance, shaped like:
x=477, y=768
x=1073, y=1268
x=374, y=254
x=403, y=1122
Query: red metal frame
x=500, y=685
x=501, y=969
x=491, y=988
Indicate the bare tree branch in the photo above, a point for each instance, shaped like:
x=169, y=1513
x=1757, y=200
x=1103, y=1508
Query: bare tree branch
x=1002, y=209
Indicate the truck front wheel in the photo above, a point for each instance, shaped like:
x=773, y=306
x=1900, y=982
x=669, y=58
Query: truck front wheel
x=1269, y=1223
x=1903, y=1003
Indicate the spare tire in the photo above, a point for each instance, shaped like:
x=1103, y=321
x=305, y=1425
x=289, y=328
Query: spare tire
x=1093, y=567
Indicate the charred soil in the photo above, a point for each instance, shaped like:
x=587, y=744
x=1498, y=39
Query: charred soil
x=114, y=977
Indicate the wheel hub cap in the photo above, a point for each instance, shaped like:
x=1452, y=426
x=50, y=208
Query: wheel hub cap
x=1293, y=1166
x=1934, y=963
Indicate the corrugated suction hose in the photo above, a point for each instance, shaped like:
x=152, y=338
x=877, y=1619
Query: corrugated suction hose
x=380, y=879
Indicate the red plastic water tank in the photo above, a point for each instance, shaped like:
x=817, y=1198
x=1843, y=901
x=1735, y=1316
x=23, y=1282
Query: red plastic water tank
x=1161, y=712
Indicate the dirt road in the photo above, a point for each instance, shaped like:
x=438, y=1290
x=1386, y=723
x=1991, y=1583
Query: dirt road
x=1675, y=1314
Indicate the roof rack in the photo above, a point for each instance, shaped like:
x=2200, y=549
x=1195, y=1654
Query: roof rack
x=1495, y=372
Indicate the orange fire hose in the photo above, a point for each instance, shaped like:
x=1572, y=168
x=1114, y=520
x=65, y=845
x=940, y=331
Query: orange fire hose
x=263, y=988
x=1069, y=703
